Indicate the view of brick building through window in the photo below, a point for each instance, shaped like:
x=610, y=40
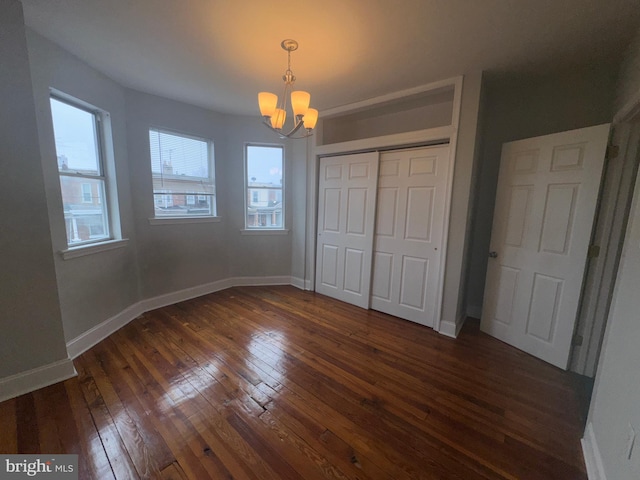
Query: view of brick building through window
x=182, y=171
x=78, y=139
x=265, y=165
x=82, y=200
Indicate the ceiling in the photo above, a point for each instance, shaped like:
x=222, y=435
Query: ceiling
x=219, y=54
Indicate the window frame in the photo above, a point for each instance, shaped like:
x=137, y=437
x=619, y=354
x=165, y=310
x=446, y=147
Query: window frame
x=84, y=193
x=99, y=117
x=248, y=229
x=188, y=192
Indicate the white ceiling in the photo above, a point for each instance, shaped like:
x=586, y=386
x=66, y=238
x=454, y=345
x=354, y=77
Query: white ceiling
x=220, y=53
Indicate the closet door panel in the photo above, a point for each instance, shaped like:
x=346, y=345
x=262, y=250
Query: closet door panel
x=346, y=216
x=409, y=233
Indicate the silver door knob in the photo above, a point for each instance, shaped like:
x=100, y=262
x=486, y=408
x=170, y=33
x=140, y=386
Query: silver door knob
x=493, y=254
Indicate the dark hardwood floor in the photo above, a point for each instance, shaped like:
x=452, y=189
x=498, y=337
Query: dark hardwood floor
x=276, y=383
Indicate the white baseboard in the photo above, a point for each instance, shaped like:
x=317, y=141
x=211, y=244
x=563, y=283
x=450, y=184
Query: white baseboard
x=92, y=337
x=257, y=281
x=40, y=377
x=474, y=311
x=591, y=453
x=182, y=295
x=95, y=335
x=451, y=329
x=298, y=282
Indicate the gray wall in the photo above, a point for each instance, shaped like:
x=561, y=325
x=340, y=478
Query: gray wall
x=259, y=254
x=453, y=306
x=47, y=300
x=96, y=287
x=176, y=256
x=522, y=107
x=628, y=90
x=29, y=305
x=615, y=405
x=179, y=256
x=302, y=151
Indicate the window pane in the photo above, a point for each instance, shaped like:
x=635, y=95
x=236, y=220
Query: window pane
x=182, y=173
x=264, y=166
x=84, y=213
x=264, y=195
x=182, y=204
x=175, y=155
x=264, y=208
x=75, y=137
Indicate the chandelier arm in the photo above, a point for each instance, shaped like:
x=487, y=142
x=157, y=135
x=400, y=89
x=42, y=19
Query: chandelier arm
x=295, y=129
x=298, y=124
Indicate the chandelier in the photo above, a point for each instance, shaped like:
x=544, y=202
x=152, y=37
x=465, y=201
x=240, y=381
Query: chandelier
x=274, y=110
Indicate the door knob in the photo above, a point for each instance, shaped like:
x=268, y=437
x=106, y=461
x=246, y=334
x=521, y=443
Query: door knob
x=493, y=254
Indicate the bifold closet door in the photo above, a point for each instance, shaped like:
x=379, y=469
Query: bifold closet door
x=346, y=215
x=407, y=255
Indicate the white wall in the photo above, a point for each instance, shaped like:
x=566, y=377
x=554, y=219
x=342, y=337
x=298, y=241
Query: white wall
x=29, y=304
x=615, y=404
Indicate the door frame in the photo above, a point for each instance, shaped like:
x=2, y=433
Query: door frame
x=611, y=224
x=419, y=138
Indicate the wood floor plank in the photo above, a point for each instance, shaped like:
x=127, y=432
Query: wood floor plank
x=136, y=441
x=184, y=441
x=27, y=434
x=92, y=452
x=276, y=383
x=119, y=457
x=8, y=427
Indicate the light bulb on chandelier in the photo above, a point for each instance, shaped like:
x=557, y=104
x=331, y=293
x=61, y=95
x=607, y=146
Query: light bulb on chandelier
x=274, y=112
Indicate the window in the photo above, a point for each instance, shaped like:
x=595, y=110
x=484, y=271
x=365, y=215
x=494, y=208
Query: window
x=83, y=184
x=163, y=198
x=86, y=193
x=182, y=170
x=264, y=187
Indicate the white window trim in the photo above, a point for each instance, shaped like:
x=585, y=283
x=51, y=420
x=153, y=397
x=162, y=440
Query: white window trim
x=182, y=220
x=265, y=231
x=92, y=248
x=109, y=189
x=84, y=200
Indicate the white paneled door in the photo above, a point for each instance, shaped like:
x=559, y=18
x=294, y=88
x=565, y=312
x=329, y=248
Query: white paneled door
x=409, y=230
x=545, y=206
x=346, y=215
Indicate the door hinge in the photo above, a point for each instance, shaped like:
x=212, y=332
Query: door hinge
x=577, y=340
x=594, y=251
x=612, y=151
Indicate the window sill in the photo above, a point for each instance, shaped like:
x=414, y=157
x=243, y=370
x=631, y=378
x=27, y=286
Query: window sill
x=81, y=251
x=265, y=231
x=182, y=220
